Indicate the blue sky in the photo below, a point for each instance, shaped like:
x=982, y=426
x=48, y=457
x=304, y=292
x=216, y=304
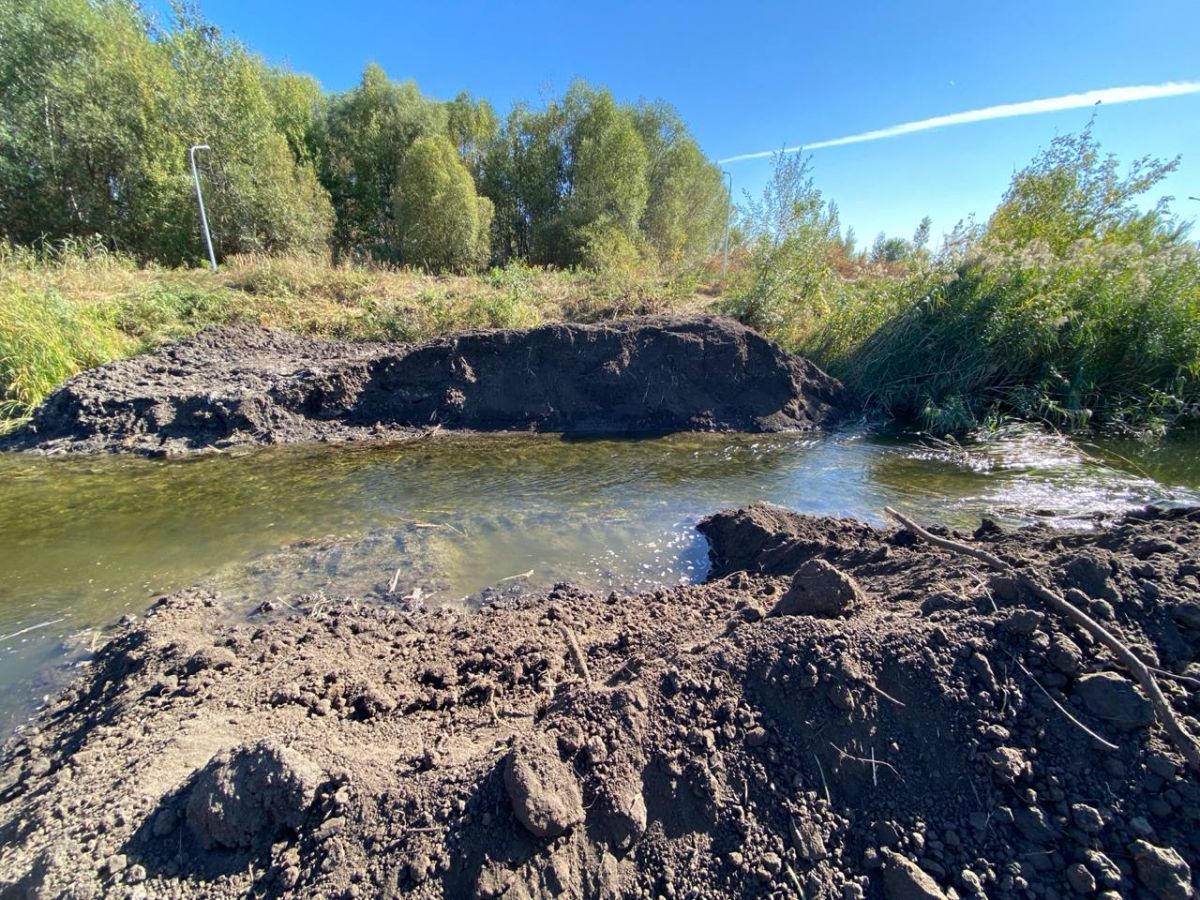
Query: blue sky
x=755, y=76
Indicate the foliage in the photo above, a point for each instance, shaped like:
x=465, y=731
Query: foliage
x=441, y=223
x=1071, y=192
x=795, y=245
x=1072, y=307
x=100, y=108
x=100, y=105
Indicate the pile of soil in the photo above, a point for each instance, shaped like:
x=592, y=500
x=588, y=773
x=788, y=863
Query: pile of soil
x=243, y=385
x=839, y=712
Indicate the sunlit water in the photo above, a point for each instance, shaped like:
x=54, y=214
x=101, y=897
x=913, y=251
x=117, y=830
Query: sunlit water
x=85, y=541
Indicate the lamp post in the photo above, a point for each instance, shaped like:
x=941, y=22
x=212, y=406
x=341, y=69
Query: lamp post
x=728, y=213
x=212, y=258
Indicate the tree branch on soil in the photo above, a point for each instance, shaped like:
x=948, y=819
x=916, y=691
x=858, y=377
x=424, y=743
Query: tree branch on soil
x=1180, y=737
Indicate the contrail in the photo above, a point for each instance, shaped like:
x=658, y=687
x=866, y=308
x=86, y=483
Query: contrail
x=1003, y=111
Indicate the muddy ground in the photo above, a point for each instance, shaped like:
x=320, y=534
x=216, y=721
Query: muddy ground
x=839, y=712
x=240, y=385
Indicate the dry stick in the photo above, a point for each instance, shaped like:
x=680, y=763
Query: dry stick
x=872, y=762
x=577, y=654
x=1066, y=712
x=1183, y=741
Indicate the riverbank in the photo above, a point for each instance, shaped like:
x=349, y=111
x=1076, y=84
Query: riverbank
x=891, y=721
x=235, y=386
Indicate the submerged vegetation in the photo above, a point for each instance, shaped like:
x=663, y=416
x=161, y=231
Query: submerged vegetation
x=381, y=213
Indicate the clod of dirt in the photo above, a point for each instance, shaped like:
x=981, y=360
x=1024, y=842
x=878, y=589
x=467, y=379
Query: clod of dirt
x=247, y=797
x=1162, y=871
x=1110, y=696
x=819, y=589
x=903, y=879
x=242, y=385
x=544, y=793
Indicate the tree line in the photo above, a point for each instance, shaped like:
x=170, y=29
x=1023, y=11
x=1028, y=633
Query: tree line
x=99, y=103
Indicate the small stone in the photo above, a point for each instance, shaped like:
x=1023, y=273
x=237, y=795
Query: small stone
x=970, y=882
x=1148, y=547
x=1106, y=871
x=1187, y=614
x=249, y=795
x=903, y=879
x=1113, y=698
x=1008, y=764
x=1091, y=574
x=1162, y=871
x=216, y=658
x=115, y=864
x=1087, y=818
x=1064, y=655
x=136, y=874
x=1080, y=879
x=756, y=737
x=1023, y=622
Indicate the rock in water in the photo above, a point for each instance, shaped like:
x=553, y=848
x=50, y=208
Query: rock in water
x=819, y=589
x=1108, y=696
x=543, y=790
x=247, y=797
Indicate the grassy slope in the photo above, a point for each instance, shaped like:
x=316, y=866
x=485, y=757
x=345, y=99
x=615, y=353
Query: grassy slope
x=80, y=309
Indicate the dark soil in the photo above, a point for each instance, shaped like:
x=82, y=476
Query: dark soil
x=241, y=385
x=890, y=723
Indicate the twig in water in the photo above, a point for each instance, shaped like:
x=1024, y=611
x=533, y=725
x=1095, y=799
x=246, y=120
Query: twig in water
x=32, y=628
x=392, y=584
x=528, y=574
x=1066, y=712
x=1179, y=735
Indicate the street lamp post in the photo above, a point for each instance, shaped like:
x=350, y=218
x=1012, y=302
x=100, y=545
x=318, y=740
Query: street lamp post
x=728, y=213
x=212, y=257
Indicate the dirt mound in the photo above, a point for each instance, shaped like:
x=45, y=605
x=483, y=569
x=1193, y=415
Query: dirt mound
x=942, y=735
x=241, y=385
x=248, y=797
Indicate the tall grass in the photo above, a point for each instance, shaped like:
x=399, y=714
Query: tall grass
x=1104, y=334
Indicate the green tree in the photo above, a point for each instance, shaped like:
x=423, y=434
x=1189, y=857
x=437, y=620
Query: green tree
x=688, y=205
x=365, y=136
x=442, y=223
x=1071, y=192
x=100, y=108
x=795, y=242
x=472, y=126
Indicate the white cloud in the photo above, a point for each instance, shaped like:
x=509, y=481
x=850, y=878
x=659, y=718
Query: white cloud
x=1130, y=94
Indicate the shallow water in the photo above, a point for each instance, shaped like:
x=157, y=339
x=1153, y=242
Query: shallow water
x=84, y=541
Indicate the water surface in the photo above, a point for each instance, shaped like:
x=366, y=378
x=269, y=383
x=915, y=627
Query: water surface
x=84, y=541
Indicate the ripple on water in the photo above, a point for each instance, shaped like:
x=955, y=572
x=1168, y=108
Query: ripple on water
x=94, y=538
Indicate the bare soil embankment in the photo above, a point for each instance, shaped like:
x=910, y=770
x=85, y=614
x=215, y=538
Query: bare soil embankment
x=839, y=712
x=239, y=386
